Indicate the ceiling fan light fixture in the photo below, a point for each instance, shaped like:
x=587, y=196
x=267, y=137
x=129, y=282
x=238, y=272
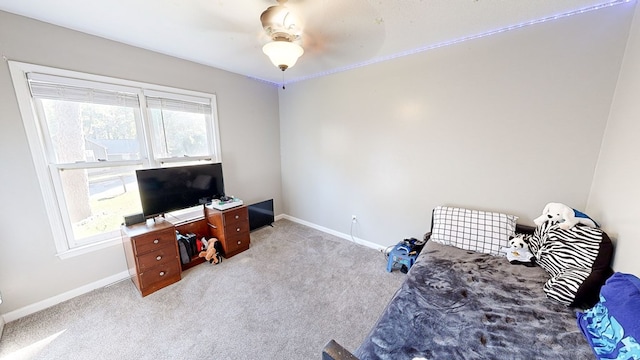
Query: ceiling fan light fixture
x=283, y=53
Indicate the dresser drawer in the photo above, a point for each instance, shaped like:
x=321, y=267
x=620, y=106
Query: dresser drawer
x=153, y=241
x=235, y=242
x=157, y=257
x=160, y=274
x=236, y=228
x=235, y=216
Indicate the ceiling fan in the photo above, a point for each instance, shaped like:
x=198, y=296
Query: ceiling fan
x=284, y=29
x=328, y=30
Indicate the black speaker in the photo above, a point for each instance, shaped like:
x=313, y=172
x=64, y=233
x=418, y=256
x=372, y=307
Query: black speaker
x=134, y=219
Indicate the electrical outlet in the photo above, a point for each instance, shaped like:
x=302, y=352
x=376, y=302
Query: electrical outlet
x=354, y=218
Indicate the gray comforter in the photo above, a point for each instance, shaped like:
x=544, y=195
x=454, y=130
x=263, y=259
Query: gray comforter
x=458, y=304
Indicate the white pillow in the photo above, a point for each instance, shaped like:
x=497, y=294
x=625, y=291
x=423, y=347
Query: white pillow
x=475, y=230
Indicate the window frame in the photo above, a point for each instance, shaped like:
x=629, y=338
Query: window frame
x=213, y=140
x=37, y=138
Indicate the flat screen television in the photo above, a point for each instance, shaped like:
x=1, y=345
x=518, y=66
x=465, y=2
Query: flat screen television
x=173, y=188
x=261, y=214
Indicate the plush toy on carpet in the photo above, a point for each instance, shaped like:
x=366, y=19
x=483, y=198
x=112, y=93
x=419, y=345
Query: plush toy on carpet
x=518, y=252
x=567, y=216
x=212, y=250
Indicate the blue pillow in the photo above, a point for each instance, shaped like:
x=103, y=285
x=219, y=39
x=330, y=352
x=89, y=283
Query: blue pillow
x=612, y=326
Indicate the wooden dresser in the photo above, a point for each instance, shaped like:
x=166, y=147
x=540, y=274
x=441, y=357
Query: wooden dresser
x=152, y=255
x=231, y=227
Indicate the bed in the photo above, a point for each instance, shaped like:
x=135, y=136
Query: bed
x=461, y=303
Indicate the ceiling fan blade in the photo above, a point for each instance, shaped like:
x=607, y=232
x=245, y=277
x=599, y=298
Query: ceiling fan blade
x=331, y=29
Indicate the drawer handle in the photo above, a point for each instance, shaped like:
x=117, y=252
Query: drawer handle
x=237, y=216
x=162, y=273
x=156, y=241
x=239, y=242
x=213, y=226
x=158, y=257
x=238, y=229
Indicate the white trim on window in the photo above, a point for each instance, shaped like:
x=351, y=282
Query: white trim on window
x=31, y=124
x=88, y=248
x=95, y=165
x=20, y=72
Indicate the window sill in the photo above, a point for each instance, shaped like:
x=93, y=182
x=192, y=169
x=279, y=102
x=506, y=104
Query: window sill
x=85, y=249
x=176, y=218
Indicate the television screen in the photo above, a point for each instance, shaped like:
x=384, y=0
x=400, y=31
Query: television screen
x=173, y=188
x=261, y=214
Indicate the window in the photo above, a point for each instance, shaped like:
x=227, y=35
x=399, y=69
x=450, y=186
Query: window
x=179, y=128
x=88, y=135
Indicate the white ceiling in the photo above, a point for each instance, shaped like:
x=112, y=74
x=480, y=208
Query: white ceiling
x=338, y=34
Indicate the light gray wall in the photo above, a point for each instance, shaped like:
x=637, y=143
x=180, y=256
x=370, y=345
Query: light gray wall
x=507, y=122
x=503, y=123
x=248, y=117
x=615, y=196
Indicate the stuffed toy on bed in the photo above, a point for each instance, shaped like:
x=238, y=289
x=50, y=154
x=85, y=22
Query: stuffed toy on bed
x=518, y=252
x=565, y=215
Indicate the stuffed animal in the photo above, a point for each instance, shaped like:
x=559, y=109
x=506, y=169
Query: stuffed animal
x=567, y=216
x=212, y=251
x=518, y=252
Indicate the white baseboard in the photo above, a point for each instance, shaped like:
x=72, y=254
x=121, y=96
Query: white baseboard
x=33, y=308
x=348, y=237
x=41, y=305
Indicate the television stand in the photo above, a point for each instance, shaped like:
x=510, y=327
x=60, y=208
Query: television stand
x=230, y=227
x=151, y=250
x=152, y=255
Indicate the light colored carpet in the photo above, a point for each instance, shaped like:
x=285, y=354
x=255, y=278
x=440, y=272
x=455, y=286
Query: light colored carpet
x=291, y=292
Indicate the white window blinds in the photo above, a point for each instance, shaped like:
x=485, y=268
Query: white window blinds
x=179, y=105
x=59, y=88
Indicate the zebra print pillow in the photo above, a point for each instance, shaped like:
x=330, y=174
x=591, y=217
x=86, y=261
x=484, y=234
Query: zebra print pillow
x=578, y=261
x=480, y=231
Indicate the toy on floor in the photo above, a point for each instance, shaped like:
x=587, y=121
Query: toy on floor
x=518, y=252
x=567, y=216
x=212, y=250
